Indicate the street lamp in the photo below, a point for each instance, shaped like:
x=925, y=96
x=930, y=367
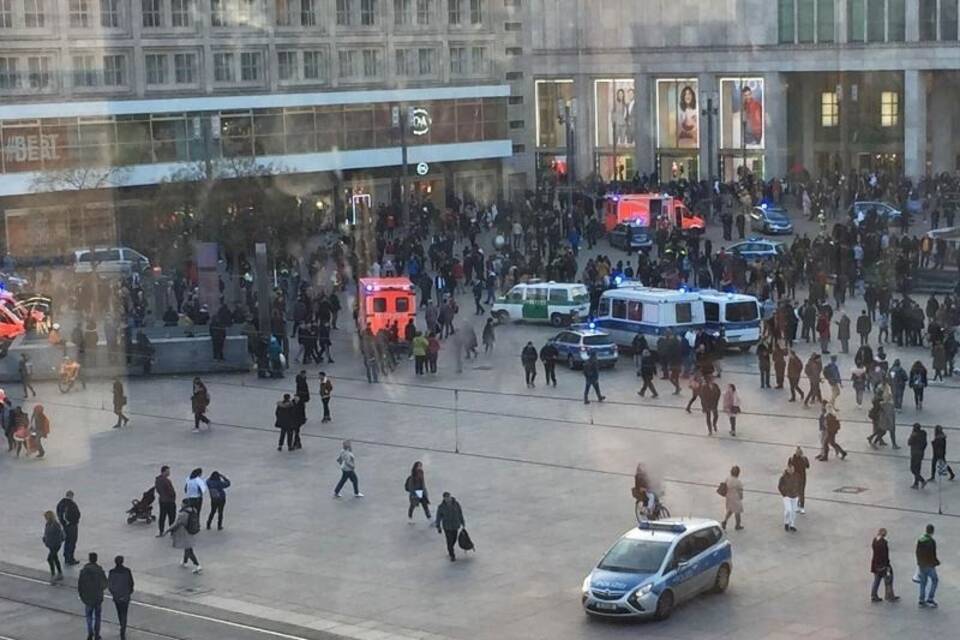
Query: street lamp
x=567, y=116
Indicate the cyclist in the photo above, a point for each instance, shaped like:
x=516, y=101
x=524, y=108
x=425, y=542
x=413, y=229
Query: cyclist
x=69, y=371
x=647, y=500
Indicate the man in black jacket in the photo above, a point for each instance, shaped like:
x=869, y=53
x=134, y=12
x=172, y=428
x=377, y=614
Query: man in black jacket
x=927, y=562
x=68, y=513
x=90, y=586
x=918, y=446
x=120, y=583
x=528, y=358
x=449, y=521
x=548, y=356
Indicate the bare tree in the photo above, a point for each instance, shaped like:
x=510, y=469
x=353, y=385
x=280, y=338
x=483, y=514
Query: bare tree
x=79, y=178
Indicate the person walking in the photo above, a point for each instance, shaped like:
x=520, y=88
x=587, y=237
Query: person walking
x=938, y=355
x=831, y=373
x=68, y=513
x=120, y=584
x=843, y=332
x=449, y=522
x=800, y=464
x=864, y=326
x=591, y=378
x=709, y=401
x=831, y=429
x=25, y=368
x=52, y=540
x=348, y=470
x=194, y=488
x=183, y=531
x=696, y=381
x=918, y=447
x=858, y=379
x=39, y=430
x=763, y=362
x=881, y=568
x=528, y=358
x=779, y=356
x=416, y=488
x=166, y=499
x=898, y=383
x=217, y=485
x=813, y=369
x=548, y=356
x=927, y=563
x=302, y=393
x=119, y=402
x=789, y=488
x=91, y=584
x=285, y=418
x=326, y=393
x=199, y=401
x=939, y=447
x=731, y=406
x=794, y=371
x=733, y=498
x=488, y=337
x=648, y=371
x=918, y=382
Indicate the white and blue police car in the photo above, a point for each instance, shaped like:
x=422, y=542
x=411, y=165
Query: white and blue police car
x=656, y=566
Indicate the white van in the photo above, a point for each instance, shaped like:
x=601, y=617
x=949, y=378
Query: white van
x=110, y=260
x=559, y=303
x=738, y=314
x=629, y=310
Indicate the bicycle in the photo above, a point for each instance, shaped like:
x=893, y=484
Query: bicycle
x=660, y=512
x=69, y=373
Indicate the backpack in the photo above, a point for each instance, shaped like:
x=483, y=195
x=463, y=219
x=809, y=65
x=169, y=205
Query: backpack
x=193, y=522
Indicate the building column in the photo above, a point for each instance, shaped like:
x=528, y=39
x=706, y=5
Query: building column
x=709, y=89
x=914, y=124
x=583, y=128
x=809, y=114
x=942, y=107
x=775, y=125
x=644, y=138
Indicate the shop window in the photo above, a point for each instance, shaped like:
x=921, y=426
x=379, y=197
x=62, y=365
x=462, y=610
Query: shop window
x=829, y=109
x=300, y=131
x=889, y=109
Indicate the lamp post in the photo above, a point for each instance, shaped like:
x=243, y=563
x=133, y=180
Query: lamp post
x=567, y=115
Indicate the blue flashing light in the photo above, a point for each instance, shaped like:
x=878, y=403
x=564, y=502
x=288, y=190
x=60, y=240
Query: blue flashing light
x=618, y=280
x=592, y=325
x=763, y=206
x=673, y=527
x=369, y=288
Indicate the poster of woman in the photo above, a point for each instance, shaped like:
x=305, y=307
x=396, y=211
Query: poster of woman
x=614, y=113
x=688, y=119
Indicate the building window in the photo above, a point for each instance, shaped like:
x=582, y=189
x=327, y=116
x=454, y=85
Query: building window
x=84, y=71
x=829, y=109
x=454, y=11
x=347, y=63
x=371, y=63
x=6, y=15
x=218, y=14
x=110, y=14
x=368, y=12
x=152, y=12
x=948, y=20
x=185, y=68
x=79, y=14
x=38, y=70
x=402, y=12
x=344, y=13
x=476, y=11
x=856, y=21
x=223, y=67
x=287, y=65
x=34, y=16
x=246, y=12
x=114, y=71
x=314, y=65
x=251, y=66
x=478, y=60
x=876, y=20
x=928, y=20
x=155, y=65
x=425, y=62
x=896, y=20
x=805, y=20
x=786, y=25
x=402, y=62
x=826, y=21
x=9, y=78
x=458, y=61
x=889, y=109
x=308, y=13
x=424, y=11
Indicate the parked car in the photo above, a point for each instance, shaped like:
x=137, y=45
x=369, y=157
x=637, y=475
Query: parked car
x=858, y=211
x=770, y=220
x=758, y=249
x=110, y=260
x=630, y=236
x=576, y=344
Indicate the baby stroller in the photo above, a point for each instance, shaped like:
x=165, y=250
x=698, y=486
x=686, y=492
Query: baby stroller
x=142, y=509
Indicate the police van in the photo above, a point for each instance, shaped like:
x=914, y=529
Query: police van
x=558, y=303
x=737, y=315
x=633, y=309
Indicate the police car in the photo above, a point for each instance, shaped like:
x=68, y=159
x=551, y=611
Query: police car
x=758, y=249
x=559, y=303
x=630, y=236
x=658, y=565
x=770, y=220
x=576, y=344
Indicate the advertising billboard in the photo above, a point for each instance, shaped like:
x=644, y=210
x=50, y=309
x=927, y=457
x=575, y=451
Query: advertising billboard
x=551, y=133
x=741, y=113
x=614, y=114
x=678, y=114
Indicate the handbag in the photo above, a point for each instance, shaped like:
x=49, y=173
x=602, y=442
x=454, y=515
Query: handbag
x=736, y=410
x=722, y=489
x=463, y=539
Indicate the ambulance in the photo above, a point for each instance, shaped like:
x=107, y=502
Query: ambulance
x=650, y=210
x=383, y=302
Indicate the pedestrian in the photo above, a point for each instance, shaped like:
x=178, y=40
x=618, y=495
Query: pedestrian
x=528, y=358
x=184, y=531
x=285, y=418
x=831, y=429
x=696, y=381
x=709, y=402
x=217, y=485
x=419, y=347
x=898, y=383
x=831, y=373
x=794, y=371
x=199, y=401
x=194, y=488
x=68, y=513
x=348, y=470
x=789, y=487
x=939, y=355
x=449, y=521
x=731, y=406
x=813, y=369
x=591, y=378
x=800, y=464
x=119, y=402
x=299, y=417
x=488, y=337
x=648, y=371
x=25, y=367
x=477, y=296
x=939, y=446
x=52, y=540
x=918, y=447
x=302, y=392
x=843, y=332
x=881, y=569
x=763, y=362
x=779, y=357
x=39, y=430
x=91, y=584
x=549, y=356
x=864, y=326
x=166, y=498
x=918, y=382
x=927, y=563
x=326, y=393
x=858, y=379
x=733, y=498
x=433, y=352
x=416, y=488
x=120, y=583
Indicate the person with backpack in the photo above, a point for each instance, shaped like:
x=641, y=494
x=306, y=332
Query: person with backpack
x=416, y=489
x=217, y=485
x=449, y=521
x=120, y=584
x=183, y=531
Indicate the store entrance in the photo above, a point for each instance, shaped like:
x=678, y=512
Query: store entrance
x=672, y=168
